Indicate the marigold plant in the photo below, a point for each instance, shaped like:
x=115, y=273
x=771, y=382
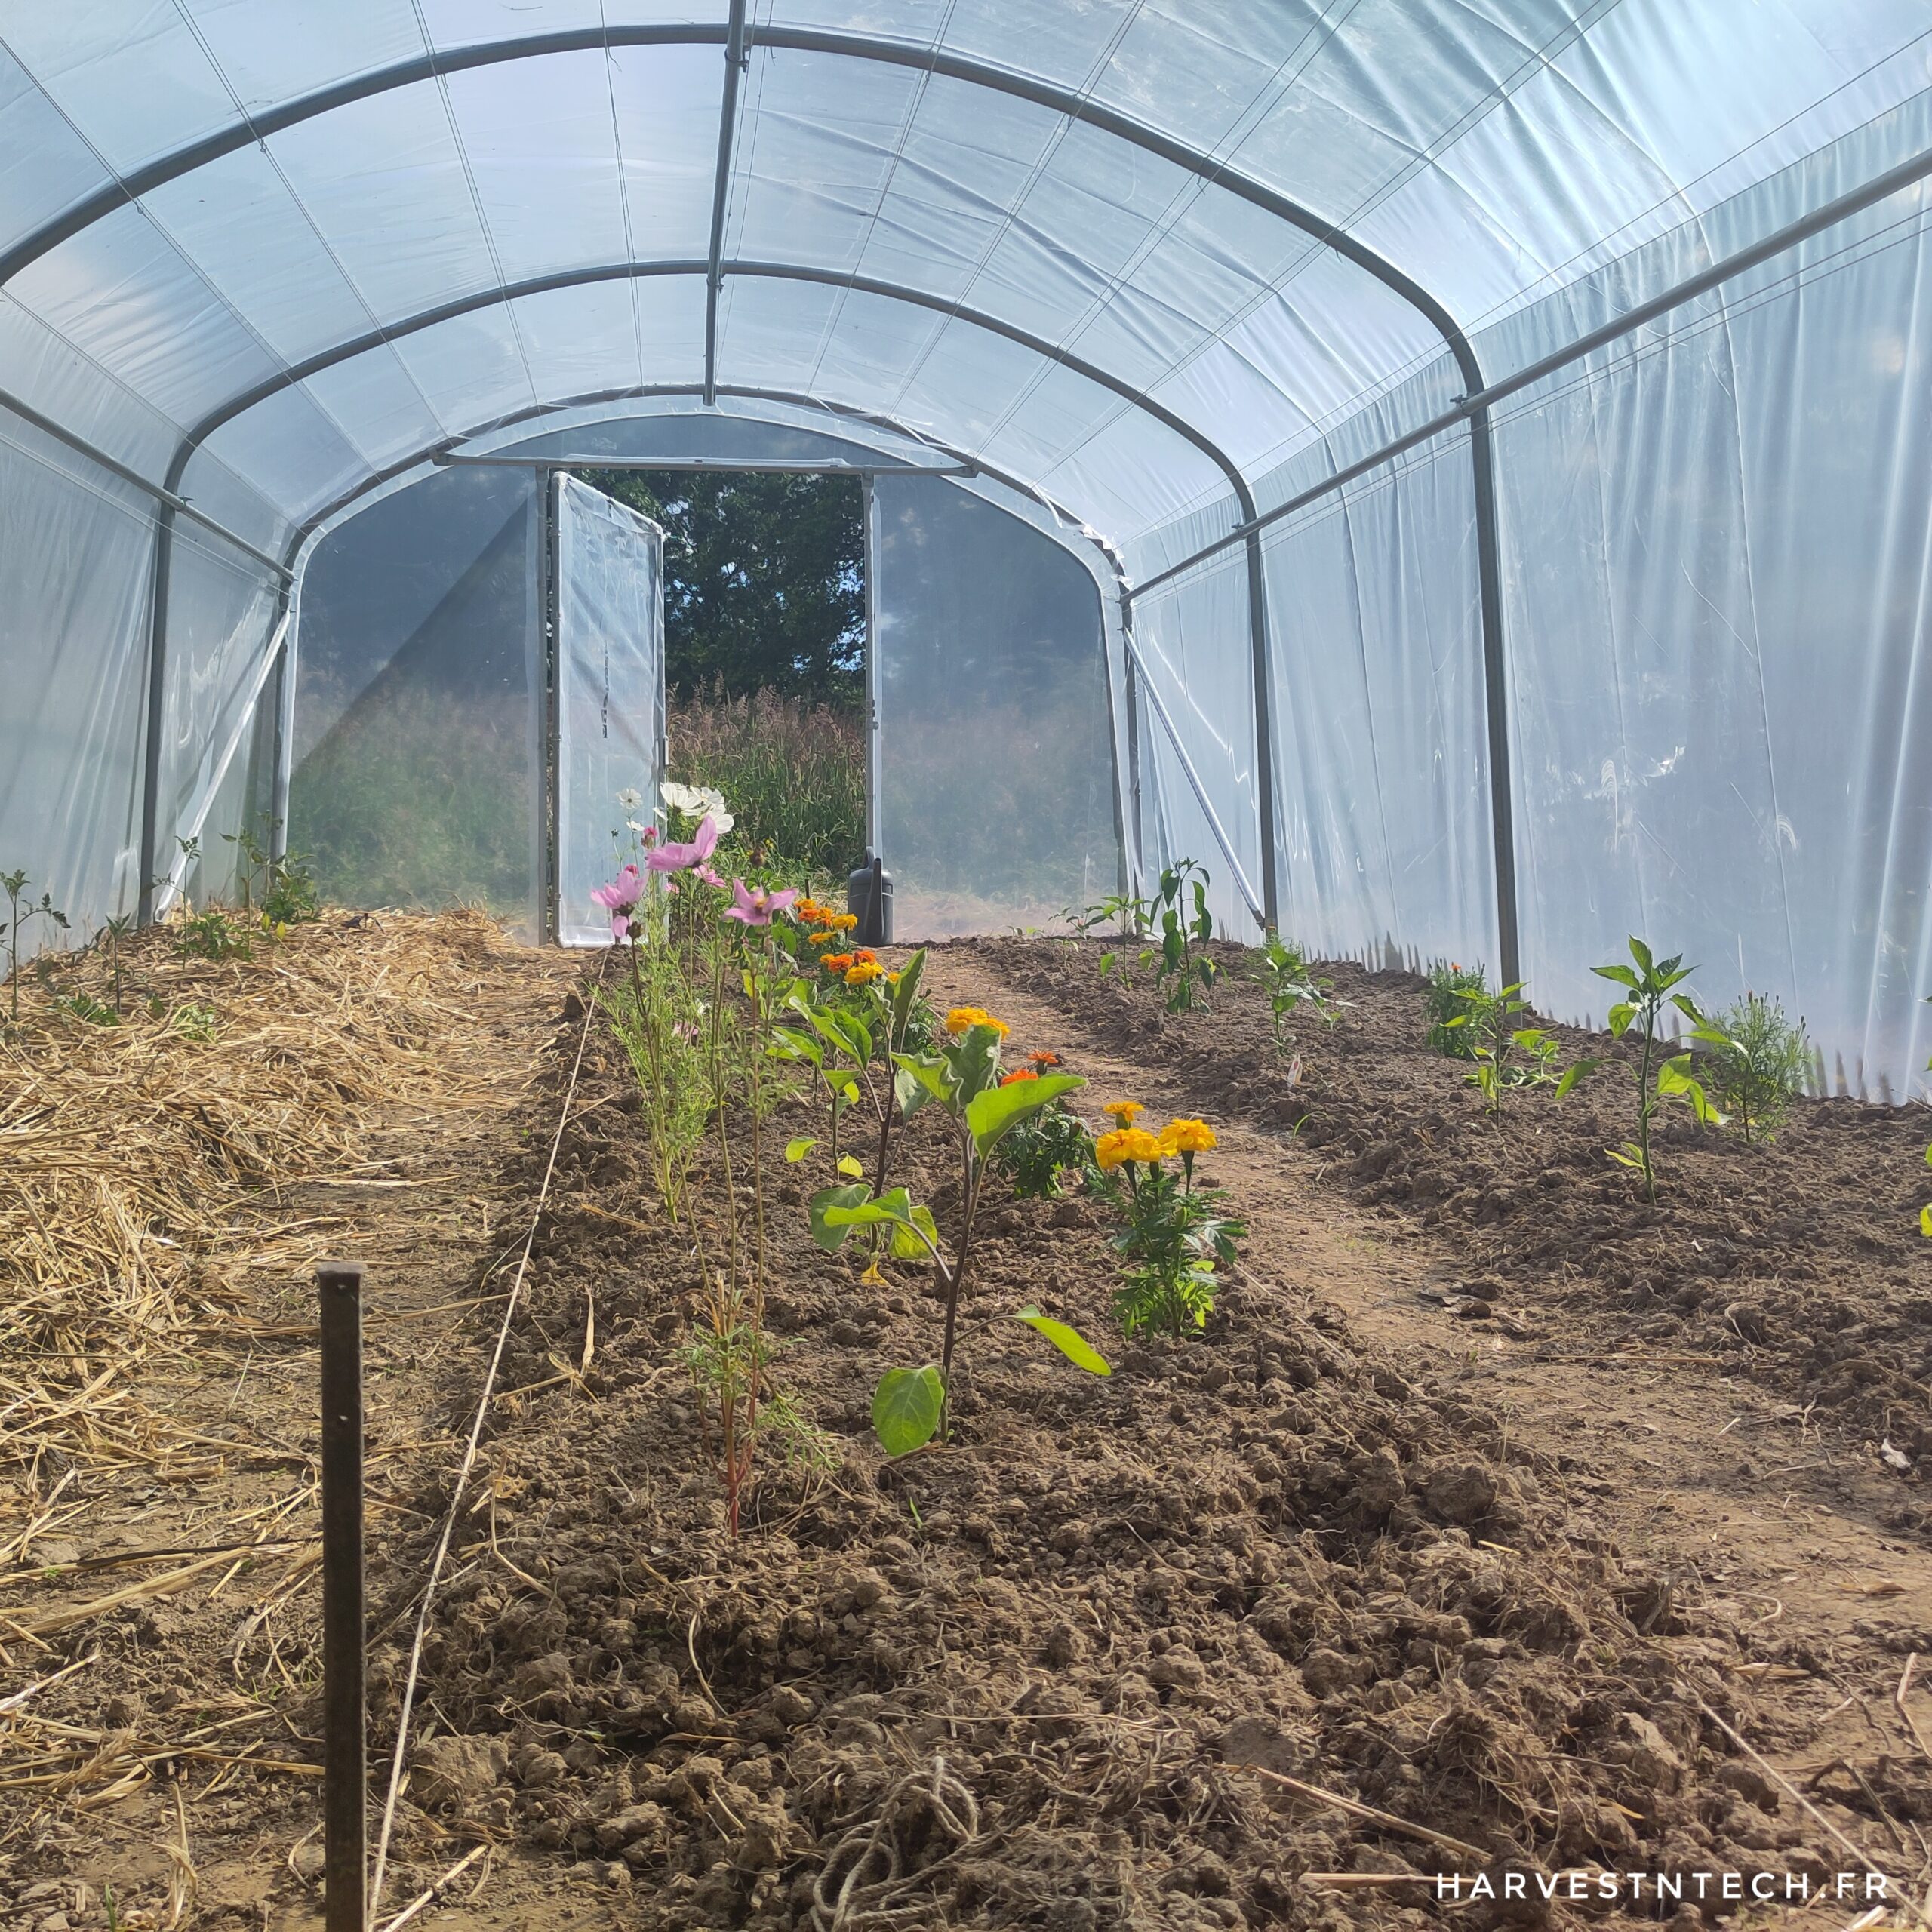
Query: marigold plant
x=961, y=1019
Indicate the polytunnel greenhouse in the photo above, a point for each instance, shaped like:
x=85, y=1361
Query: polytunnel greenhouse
x=1385, y=536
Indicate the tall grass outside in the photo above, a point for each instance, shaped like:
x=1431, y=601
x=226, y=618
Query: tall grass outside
x=793, y=774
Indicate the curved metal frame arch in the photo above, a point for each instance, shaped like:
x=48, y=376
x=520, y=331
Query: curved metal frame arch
x=731, y=35
x=366, y=343
x=317, y=523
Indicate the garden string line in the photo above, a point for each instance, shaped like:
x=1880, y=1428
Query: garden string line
x=511, y=1304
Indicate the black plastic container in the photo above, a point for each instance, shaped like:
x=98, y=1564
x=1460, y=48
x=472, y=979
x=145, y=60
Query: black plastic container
x=868, y=897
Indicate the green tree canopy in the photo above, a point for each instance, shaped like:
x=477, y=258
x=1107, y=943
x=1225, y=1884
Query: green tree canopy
x=763, y=577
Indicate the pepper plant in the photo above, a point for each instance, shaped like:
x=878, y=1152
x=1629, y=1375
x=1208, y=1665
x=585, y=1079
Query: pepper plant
x=20, y=910
x=962, y=1076
x=1290, y=985
x=1650, y=982
x=1506, y=1055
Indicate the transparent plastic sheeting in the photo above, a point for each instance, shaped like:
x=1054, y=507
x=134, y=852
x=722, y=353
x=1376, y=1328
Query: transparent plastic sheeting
x=610, y=694
x=1194, y=716
x=1382, y=767
x=76, y=559
x=996, y=795
x=1721, y=673
x=417, y=756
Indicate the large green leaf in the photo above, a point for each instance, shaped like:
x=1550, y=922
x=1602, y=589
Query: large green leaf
x=906, y=992
x=1069, y=1341
x=788, y=1043
x=975, y=1060
x=993, y=1114
x=1621, y=975
x=907, y=1244
x=932, y=1074
x=910, y=1092
x=828, y=1202
x=906, y=1407
x=795, y=1151
x=1675, y=1081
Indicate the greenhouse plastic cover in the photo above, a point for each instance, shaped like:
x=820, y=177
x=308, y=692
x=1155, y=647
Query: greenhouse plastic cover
x=1656, y=618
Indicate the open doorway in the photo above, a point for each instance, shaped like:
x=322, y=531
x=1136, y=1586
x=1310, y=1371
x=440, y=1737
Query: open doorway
x=764, y=614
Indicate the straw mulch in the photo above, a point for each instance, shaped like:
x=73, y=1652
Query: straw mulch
x=126, y=1151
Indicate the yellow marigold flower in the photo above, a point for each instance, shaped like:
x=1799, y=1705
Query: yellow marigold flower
x=1187, y=1137
x=963, y=1019
x=1125, y=1111
x=892, y=979
x=823, y=939
x=1126, y=1143
x=863, y=972
x=843, y=922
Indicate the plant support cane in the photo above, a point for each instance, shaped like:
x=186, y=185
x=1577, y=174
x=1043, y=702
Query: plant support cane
x=345, y=1764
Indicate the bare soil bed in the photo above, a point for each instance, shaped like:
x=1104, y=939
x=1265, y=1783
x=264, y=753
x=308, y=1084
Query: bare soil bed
x=1490, y=1516
x=1207, y=1643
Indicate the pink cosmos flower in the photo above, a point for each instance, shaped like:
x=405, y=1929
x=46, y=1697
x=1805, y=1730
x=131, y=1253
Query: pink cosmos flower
x=618, y=898
x=756, y=908
x=671, y=856
x=709, y=875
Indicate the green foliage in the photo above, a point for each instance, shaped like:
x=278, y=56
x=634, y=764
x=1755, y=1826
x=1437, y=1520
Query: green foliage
x=1068, y=1340
x=117, y=932
x=1755, y=1064
x=83, y=1006
x=1650, y=982
x=1175, y=1236
x=793, y=773
x=282, y=889
x=1443, y=997
x=907, y=1407
x=1168, y=931
x=1290, y=986
x=655, y=1017
x=1036, y=1154
x=192, y=1021
x=1506, y=1055
x=212, y=935
x=763, y=577
x=20, y=910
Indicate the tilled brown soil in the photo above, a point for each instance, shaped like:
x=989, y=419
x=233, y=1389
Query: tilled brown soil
x=1040, y=1678
x=1801, y=1261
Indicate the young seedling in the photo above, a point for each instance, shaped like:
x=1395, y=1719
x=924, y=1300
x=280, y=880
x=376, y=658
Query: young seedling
x=1755, y=1064
x=20, y=910
x=117, y=932
x=1650, y=982
x=963, y=1078
x=1506, y=1055
x=1176, y=1234
x=1443, y=999
x=1290, y=986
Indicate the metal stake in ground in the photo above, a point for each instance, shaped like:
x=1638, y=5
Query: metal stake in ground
x=345, y=1762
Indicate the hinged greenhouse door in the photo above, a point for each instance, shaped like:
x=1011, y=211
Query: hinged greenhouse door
x=608, y=606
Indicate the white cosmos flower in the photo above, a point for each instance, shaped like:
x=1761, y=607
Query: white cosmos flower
x=630, y=798
x=695, y=802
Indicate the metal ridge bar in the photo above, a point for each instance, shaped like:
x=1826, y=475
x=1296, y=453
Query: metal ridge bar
x=792, y=466
x=727, y=130
x=1855, y=201
x=179, y=505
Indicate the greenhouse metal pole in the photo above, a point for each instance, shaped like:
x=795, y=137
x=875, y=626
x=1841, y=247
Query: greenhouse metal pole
x=1496, y=696
x=720, y=189
x=1264, y=732
x=151, y=745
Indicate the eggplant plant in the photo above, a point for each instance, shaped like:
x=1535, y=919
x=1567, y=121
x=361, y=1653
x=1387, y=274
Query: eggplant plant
x=962, y=1076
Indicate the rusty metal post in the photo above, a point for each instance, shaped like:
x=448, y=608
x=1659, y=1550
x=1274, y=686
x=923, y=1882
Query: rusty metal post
x=345, y=1690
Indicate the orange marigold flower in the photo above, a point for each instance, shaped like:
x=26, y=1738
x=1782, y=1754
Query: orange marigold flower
x=863, y=972
x=865, y=958
x=1046, y=1056
x=1022, y=1073
x=963, y=1019
x=1124, y=1112
x=1187, y=1137
x=837, y=962
x=1126, y=1143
